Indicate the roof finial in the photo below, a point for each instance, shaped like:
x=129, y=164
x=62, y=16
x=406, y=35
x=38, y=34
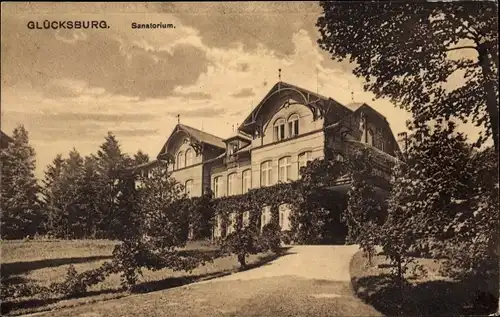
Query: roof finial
x=178, y=119
x=279, y=74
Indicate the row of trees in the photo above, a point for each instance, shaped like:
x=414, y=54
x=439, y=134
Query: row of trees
x=77, y=197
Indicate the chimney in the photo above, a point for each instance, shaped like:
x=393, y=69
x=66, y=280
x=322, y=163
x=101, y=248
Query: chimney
x=403, y=141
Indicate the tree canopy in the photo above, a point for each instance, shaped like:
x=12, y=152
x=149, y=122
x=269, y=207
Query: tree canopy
x=410, y=52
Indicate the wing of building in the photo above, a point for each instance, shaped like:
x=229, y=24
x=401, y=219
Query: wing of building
x=4, y=140
x=289, y=127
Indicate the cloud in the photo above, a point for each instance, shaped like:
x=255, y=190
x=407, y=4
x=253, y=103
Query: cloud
x=243, y=67
x=106, y=60
x=270, y=24
x=205, y=112
x=135, y=132
x=195, y=95
x=243, y=93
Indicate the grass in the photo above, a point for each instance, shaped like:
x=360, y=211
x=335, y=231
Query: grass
x=428, y=295
x=45, y=262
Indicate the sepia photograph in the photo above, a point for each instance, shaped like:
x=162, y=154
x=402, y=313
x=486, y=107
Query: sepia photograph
x=253, y=158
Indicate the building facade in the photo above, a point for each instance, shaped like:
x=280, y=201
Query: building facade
x=288, y=128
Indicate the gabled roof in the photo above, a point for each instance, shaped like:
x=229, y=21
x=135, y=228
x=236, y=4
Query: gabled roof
x=304, y=96
x=198, y=135
x=203, y=136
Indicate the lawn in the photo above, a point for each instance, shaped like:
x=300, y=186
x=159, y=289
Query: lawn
x=426, y=295
x=47, y=261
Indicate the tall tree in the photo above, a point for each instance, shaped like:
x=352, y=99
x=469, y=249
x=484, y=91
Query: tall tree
x=110, y=163
x=73, y=192
x=409, y=51
x=90, y=193
x=21, y=214
x=53, y=204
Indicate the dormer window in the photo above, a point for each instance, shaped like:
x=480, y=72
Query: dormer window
x=279, y=129
x=232, y=148
x=293, y=125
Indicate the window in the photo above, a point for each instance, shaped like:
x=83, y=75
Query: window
x=265, y=216
x=145, y=174
x=232, y=148
x=303, y=159
x=180, y=160
x=189, y=157
x=293, y=125
x=284, y=169
x=265, y=173
x=279, y=129
x=284, y=215
x=369, y=137
x=247, y=180
x=218, y=226
x=217, y=186
x=246, y=218
x=232, y=223
x=231, y=184
x=188, y=187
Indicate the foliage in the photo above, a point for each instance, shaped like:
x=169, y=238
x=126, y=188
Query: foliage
x=248, y=239
x=242, y=242
x=444, y=191
x=156, y=228
x=20, y=206
x=363, y=214
x=316, y=210
x=472, y=251
x=453, y=41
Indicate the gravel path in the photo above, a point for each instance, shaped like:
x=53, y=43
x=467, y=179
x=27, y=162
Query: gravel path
x=308, y=281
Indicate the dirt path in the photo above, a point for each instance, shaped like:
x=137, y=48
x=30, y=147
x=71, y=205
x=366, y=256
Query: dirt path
x=308, y=281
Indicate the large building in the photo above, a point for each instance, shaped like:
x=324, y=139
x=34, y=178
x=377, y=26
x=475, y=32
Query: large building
x=289, y=127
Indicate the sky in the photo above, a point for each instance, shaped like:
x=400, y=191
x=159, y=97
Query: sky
x=70, y=87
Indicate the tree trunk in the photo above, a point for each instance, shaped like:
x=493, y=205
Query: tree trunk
x=490, y=95
x=400, y=282
x=242, y=260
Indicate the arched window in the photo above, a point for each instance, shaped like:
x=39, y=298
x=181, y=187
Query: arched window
x=180, y=160
x=279, y=129
x=293, y=125
x=231, y=184
x=188, y=187
x=369, y=137
x=247, y=181
x=189, y=157
x=265, y=173
x=284, y=169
